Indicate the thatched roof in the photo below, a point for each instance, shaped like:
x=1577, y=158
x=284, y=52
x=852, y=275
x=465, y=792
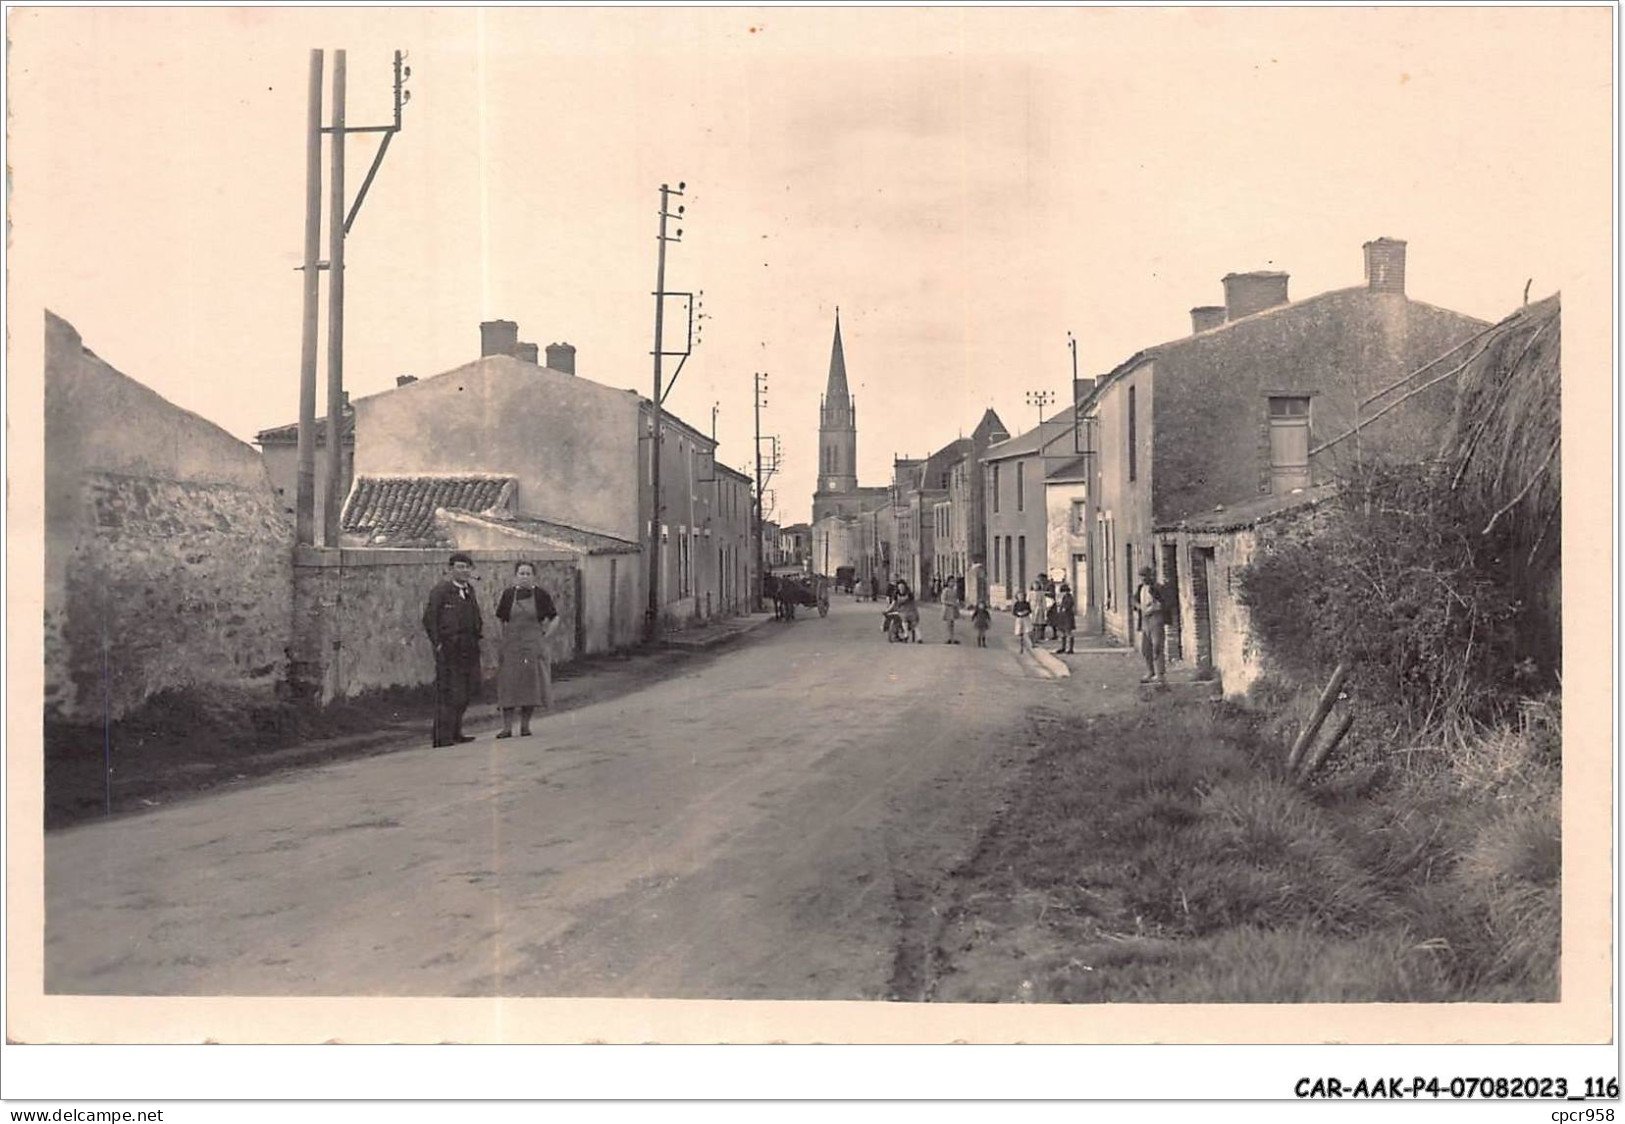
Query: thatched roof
x=1504, y=444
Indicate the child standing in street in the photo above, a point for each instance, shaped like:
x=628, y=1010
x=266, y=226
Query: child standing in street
x=1022, y=611
x=981, y=618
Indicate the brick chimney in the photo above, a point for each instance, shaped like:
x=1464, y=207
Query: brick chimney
x=1385, y=266
x=562, y=357
x=525, y=352
x=405, y=380
x=498, y=337
x=1206, y=318
x=1247, y=293
x=1081, y=389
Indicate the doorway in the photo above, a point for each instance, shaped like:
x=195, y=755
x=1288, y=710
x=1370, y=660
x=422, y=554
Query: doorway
x=1170, y=579
x=1202, y=609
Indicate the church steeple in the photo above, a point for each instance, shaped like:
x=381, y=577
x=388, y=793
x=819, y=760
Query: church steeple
x=836, y=390
x=837, y=426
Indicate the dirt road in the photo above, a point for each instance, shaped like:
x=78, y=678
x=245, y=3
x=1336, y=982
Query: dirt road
x=767, y=826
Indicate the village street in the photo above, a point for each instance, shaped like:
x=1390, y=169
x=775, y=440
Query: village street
x=763, y=827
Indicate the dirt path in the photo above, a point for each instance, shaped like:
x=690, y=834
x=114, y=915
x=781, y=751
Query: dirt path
x=770, y=825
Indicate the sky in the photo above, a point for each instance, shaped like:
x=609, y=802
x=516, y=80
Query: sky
x=966, y=185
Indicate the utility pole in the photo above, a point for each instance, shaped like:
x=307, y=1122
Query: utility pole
x=340, y=222
x=760, y=382
x=764, y=473
x=335, y=313
x=652, y=614
x=305, y=504
x=1040, y=398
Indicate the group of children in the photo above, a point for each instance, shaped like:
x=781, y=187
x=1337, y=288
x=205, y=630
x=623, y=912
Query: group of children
x=1152, y=604
x=902, y=615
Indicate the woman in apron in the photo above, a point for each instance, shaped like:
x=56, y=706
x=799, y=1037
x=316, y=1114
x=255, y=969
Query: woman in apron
x=525, y=673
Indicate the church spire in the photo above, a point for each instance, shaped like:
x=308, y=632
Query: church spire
x=836, y=392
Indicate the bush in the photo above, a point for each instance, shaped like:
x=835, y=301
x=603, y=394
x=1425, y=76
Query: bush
x=1402, y=586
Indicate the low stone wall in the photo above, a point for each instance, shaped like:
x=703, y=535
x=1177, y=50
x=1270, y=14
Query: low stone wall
x=165, y=584
x=358, y=614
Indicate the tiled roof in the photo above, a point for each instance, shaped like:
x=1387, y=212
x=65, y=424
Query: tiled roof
x=1239, y=516
x=561, y=534
x=287, y=434
x=399, y=510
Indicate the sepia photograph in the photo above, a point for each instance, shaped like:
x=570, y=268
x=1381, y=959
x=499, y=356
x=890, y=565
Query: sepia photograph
x=876, y=524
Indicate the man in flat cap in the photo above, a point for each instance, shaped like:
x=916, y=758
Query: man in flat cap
x=452, y=620
x=1151, y=603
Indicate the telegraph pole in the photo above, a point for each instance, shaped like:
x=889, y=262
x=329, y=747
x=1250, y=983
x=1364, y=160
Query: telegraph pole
x=340, y=222
x=760, y=380
x=1040, y=398
x=335, y=313
x=305, y=505
x=652, y=615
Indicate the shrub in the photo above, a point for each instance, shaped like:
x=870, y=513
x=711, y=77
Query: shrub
x=1402, y=585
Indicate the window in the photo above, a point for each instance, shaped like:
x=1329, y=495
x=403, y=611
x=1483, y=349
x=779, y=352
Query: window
x=1289, y=444
x=1133, y=451
x=995, y=559
x=1021, y=553
x=995, y=489
x=1021, y=485
x=1007, y=568
x=1080, y=517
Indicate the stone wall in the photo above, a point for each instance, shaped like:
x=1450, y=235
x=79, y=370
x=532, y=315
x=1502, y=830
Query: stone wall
x=170, y=584
x=168, y=562
x=358, y=614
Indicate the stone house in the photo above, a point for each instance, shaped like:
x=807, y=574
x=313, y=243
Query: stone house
x=1255, y=402
x=1015, y=473
x=574, y=455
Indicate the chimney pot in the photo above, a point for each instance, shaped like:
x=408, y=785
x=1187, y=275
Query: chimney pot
x=405, y=380
x=562, y=357
x=525, y=352
x=1247, y=293
x=1206, y=318
x=1385, y=265
x=498, y=337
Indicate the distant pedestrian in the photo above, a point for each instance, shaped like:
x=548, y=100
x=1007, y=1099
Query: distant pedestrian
x=1022, y=612
x=452, y=620
x=1040, y=603
x=1151, y=603
x=959, y=588
x=525, y=673
x=936, y=588
x=909, y=609
x=950, y=610
x=1065, y=615
x=981, y=619
x=874, y=588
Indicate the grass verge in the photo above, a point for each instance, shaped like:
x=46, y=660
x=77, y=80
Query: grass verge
x=1164, y=856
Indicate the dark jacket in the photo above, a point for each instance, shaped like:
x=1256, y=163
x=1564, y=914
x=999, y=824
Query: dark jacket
x=545, y=609
x=450, y=618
